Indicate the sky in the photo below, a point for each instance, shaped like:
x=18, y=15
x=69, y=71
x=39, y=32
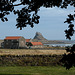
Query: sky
x=51, y=25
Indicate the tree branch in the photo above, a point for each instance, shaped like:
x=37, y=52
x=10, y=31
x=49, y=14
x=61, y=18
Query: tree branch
x=18, y=4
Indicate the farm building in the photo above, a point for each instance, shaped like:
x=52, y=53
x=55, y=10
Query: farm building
x=28, y=40
x=35, y=44
x=14, y=42
x=1, y=43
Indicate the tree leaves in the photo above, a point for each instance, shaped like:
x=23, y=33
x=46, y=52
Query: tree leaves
x=71, y=30
x=30, y=6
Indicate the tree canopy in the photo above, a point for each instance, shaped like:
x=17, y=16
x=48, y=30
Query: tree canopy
x=33, y=6
x=28, y=15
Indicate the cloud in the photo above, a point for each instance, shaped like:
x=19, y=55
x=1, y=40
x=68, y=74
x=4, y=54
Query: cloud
x=55, y=11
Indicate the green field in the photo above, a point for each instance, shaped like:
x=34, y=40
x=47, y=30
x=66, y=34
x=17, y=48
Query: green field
x=40, y=70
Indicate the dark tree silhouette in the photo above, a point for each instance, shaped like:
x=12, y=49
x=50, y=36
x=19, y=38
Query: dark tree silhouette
x=28, y=15
x=69, y=59
x=71, y=30
x=24, y=15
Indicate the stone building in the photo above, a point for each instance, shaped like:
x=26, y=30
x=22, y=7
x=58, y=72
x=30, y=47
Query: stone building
x=14, y=42
x=35, y=44
x=28, y=41
x=1, y=43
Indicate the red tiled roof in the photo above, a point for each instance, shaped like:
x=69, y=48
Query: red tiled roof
x=12, y=37
x=27, y=40
x=36, y=43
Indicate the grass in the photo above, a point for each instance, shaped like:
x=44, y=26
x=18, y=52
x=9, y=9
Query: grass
x=30, y=52
x=40, y=70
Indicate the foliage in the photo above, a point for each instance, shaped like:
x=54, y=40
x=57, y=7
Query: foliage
x=68, y=59
x=28, y=15
x=30, y=60
x=71, y=30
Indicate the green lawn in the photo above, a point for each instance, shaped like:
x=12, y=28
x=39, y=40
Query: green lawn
x=40, y=70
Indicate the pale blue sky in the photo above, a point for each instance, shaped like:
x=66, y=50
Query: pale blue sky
x=51, y=25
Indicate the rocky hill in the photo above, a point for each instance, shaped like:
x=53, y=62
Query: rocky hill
x=39, y=38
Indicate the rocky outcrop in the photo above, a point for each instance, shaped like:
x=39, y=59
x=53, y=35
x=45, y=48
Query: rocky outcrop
x=39, y=38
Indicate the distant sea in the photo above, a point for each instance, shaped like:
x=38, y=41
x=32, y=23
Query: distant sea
x=61, y=45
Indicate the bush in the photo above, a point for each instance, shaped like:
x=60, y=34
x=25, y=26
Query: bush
x=30, y=60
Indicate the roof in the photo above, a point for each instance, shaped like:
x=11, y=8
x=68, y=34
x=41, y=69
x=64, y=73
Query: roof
x=36, y=43
x=27, y=40
x=12, y=37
